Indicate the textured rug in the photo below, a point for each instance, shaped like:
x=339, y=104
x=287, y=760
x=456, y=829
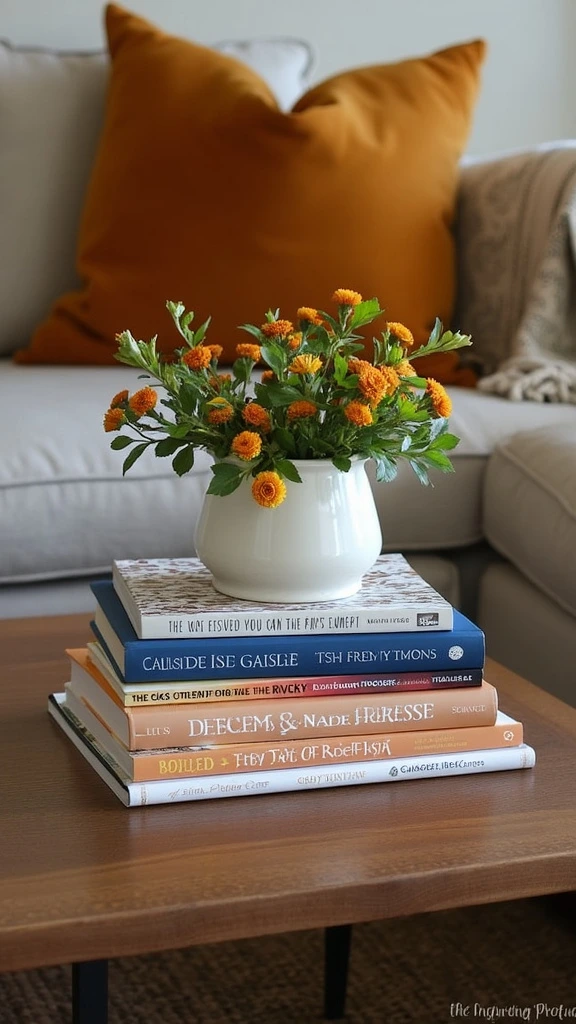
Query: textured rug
x=498, y=961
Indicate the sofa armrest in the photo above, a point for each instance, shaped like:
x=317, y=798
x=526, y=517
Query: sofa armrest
x=507, y=206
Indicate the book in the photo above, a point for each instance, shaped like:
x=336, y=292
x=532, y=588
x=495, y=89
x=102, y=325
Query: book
x=146, y=728
x=281, y=780
x=212, y=691
x=209, y=759
x=253, y=657
x=174, y=597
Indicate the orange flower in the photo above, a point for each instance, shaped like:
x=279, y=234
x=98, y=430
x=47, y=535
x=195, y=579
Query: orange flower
x=277, y=328
x=220, y=411
x=305, y=364
x=268, y=489
x=310, y=315
x=247, y=445
x=118, y=399
x=404, y=369
x=113, y=419
x=197, y=358
x=143, y=401
x=267, y=376
x=300, y=410
x=257, y=416
x=295, y=340
x=218, y=379
x=358, y=365
x=401, y=333
x=216, y=350
x=438, y=395
x=358, y=413
x=248, y=351
x=346, y=297
x=374, y=384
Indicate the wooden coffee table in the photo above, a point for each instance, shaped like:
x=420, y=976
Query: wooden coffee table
x=83, y=879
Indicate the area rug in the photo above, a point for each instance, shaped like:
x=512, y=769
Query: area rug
x=507, y=961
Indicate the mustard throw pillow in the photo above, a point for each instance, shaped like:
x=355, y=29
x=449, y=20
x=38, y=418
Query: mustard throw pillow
x=204, y=191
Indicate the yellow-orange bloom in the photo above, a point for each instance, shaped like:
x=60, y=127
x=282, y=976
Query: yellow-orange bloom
x=358, y=413
x=267, y=376
x=247, y=445
x=346, y=297
x=257, y=416
x=401, y=333
x=405, y=369
x=312, y=316
x=300, y=410
x=305, y=364
x=216, y=350
x=220, y=411
x=113, y=419
x=218, y=379
x=359, y=366
x=295, y=340
x=277, y=328
x=247, y=350
x=118, y=399
x=143, y=401
x=441, y=401
x=197, y=358
x=268, y=489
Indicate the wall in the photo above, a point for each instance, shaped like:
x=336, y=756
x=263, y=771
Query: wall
x=528, y=90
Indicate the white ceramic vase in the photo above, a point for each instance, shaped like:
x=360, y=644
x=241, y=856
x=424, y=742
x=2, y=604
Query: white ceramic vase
x=315, y=546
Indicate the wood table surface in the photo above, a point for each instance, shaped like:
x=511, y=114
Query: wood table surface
x=82, y=877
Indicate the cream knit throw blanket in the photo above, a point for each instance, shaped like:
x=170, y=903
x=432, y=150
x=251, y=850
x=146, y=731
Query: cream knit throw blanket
x=517, y=253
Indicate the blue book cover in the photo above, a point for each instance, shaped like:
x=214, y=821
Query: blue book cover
x=259, y=656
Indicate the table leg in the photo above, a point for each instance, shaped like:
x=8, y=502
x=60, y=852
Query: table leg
x=90, y=992
x=336, y=956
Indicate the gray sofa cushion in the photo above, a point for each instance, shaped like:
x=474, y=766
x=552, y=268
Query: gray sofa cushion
x=530, y=508
x=66, y=510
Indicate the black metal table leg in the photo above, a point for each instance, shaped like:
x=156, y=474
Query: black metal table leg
x=90, y=992
x=336, y=956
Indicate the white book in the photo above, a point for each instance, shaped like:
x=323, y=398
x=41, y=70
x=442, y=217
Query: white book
x=282, y=780
x=169, y=598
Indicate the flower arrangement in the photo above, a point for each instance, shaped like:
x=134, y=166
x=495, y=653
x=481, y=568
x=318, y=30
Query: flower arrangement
x=316, y=399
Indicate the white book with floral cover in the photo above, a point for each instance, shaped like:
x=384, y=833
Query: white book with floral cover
x=173, y=598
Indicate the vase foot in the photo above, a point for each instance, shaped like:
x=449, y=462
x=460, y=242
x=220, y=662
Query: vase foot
x=274, y=594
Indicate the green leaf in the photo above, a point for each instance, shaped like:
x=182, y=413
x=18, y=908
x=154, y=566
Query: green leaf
x=188, y=398
x=167, y=446
x=420, y=471
x=385, y=469
x=340, y=368
x=121, y=442
x=226, y=479
x=254, y=331
x=200, y=334
x=134, y=454
x=342, y=463
x=439, y=460
x=177, y=429
x=184, y=460
x=446, y=442
x=274, y=355
x=288, y=469
x=365, y=312
x=279, y=395
x=438, y=427
x=284, y=438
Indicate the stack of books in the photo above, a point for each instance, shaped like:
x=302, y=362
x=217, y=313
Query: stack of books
x=186, y=694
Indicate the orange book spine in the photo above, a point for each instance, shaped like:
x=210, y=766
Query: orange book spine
x=307, y=717
x=178, y=763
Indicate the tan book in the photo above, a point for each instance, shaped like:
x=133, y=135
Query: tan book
x=147, y=728
x=231, y=758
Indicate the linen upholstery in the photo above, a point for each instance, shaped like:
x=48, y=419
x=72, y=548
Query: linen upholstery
x=530, y=508
x=51, y=115
x=516, y=244
x=66, y=510
x=204, y=191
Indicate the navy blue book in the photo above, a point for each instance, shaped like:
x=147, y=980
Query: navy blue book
x=253, y=657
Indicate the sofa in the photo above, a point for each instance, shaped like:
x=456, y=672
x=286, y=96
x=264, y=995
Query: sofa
x=498, y=537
